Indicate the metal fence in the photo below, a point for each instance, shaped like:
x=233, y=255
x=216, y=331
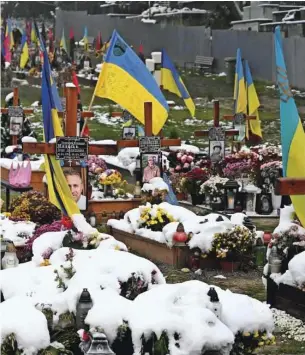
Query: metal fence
x=184, y=43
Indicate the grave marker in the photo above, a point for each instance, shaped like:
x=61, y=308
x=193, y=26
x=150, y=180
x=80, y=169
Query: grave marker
x=16, y=111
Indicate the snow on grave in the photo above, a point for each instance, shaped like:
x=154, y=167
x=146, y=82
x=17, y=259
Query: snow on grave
x=149, y=230
x=182, y=313
x=286, y=289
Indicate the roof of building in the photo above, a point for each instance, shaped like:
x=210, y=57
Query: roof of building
x=250, y=20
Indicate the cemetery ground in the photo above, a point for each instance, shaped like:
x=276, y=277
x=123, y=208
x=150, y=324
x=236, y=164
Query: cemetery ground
x=202, y=89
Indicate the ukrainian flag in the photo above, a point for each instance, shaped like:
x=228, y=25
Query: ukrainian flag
x=34, y=38
x=63, y=43
x=240, y=95
x=59, y=191
x=171, y=81
x=24, y=51
x=253, y=105
x=292, y=132
x=85, y=39
x=9, y=34
x=125, y=80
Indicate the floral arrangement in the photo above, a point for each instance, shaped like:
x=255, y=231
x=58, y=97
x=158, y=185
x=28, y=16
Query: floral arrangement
x=214, y=186
x=110, y=177
x=269, y=173
x=79, y=240
x=241, y=164
x=53, y=227
x=35, y=207
x=154, y=218
x=96, y=166
x=285, y=240
x=192, y=180
x=233, y=244
x=180, y=160
x=268, y=152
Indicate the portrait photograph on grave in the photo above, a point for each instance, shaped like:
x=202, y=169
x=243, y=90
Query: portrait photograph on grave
x=217, y=151
x=129, y=132
x=15, y=125
x=151, y=166
x=77, y=179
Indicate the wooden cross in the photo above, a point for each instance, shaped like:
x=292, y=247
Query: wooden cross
x=70, y=130
x=205, y=133
x=232, y=117
x=290, y=186
x=83, y=114
x=26, y=111
x=148, y=132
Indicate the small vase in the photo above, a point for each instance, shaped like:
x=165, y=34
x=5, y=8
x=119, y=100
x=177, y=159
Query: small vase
x=9, y=260
x=229, y=266
x=207, y=198
x=108, y=191
x=276, y=201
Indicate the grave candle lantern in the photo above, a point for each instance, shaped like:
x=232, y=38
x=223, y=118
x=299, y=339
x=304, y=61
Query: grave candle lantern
x=10, y=257
x=231, y=188
x=82, y=308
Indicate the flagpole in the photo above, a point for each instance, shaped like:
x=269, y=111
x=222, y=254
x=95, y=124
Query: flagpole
x=86, y=119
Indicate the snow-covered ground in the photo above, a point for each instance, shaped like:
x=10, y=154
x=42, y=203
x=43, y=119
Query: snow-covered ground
x=203, y=228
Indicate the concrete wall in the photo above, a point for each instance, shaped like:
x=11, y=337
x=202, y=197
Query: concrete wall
x=184, y=43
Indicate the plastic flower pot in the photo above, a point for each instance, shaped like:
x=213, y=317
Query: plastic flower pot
x=229, y=266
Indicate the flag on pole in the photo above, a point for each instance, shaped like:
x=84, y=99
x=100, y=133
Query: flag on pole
x=28, y=31
x=85, y=39
x=98, y=44
x=292, y=132
x=9, y=41
x=171, y=81
x=59, y=192
x=125, y=79
x=240, y=95
x=72, y=44
x=34, y=37
x=253, y=126
x=63, y=43
x=24, y=51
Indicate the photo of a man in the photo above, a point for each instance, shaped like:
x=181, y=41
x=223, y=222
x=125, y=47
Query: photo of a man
x=152, y=169
x=15, y=126
x=76, y=185
x=216, y=151
x=129, y=132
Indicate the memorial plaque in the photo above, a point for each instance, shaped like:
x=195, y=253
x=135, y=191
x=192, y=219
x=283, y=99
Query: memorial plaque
x=72, y=148
x=216, y=134
x=149, y=144
x=15, y=114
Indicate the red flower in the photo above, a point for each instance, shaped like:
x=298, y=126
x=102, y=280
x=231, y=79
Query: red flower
x=67, y=222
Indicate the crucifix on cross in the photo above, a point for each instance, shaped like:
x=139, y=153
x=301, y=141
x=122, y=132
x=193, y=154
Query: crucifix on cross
x=216, y=136
x=15, y=113
x=239, y=120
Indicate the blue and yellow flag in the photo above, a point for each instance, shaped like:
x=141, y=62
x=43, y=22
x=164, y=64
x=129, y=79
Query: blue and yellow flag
x=85, y=39
x=171, y=81
x=34, y=38
x=63, y=43
x=253, y=104
x=24, y=51
x=125, y=80
x=59, y=191
x=240, y=95
x=292, y=132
